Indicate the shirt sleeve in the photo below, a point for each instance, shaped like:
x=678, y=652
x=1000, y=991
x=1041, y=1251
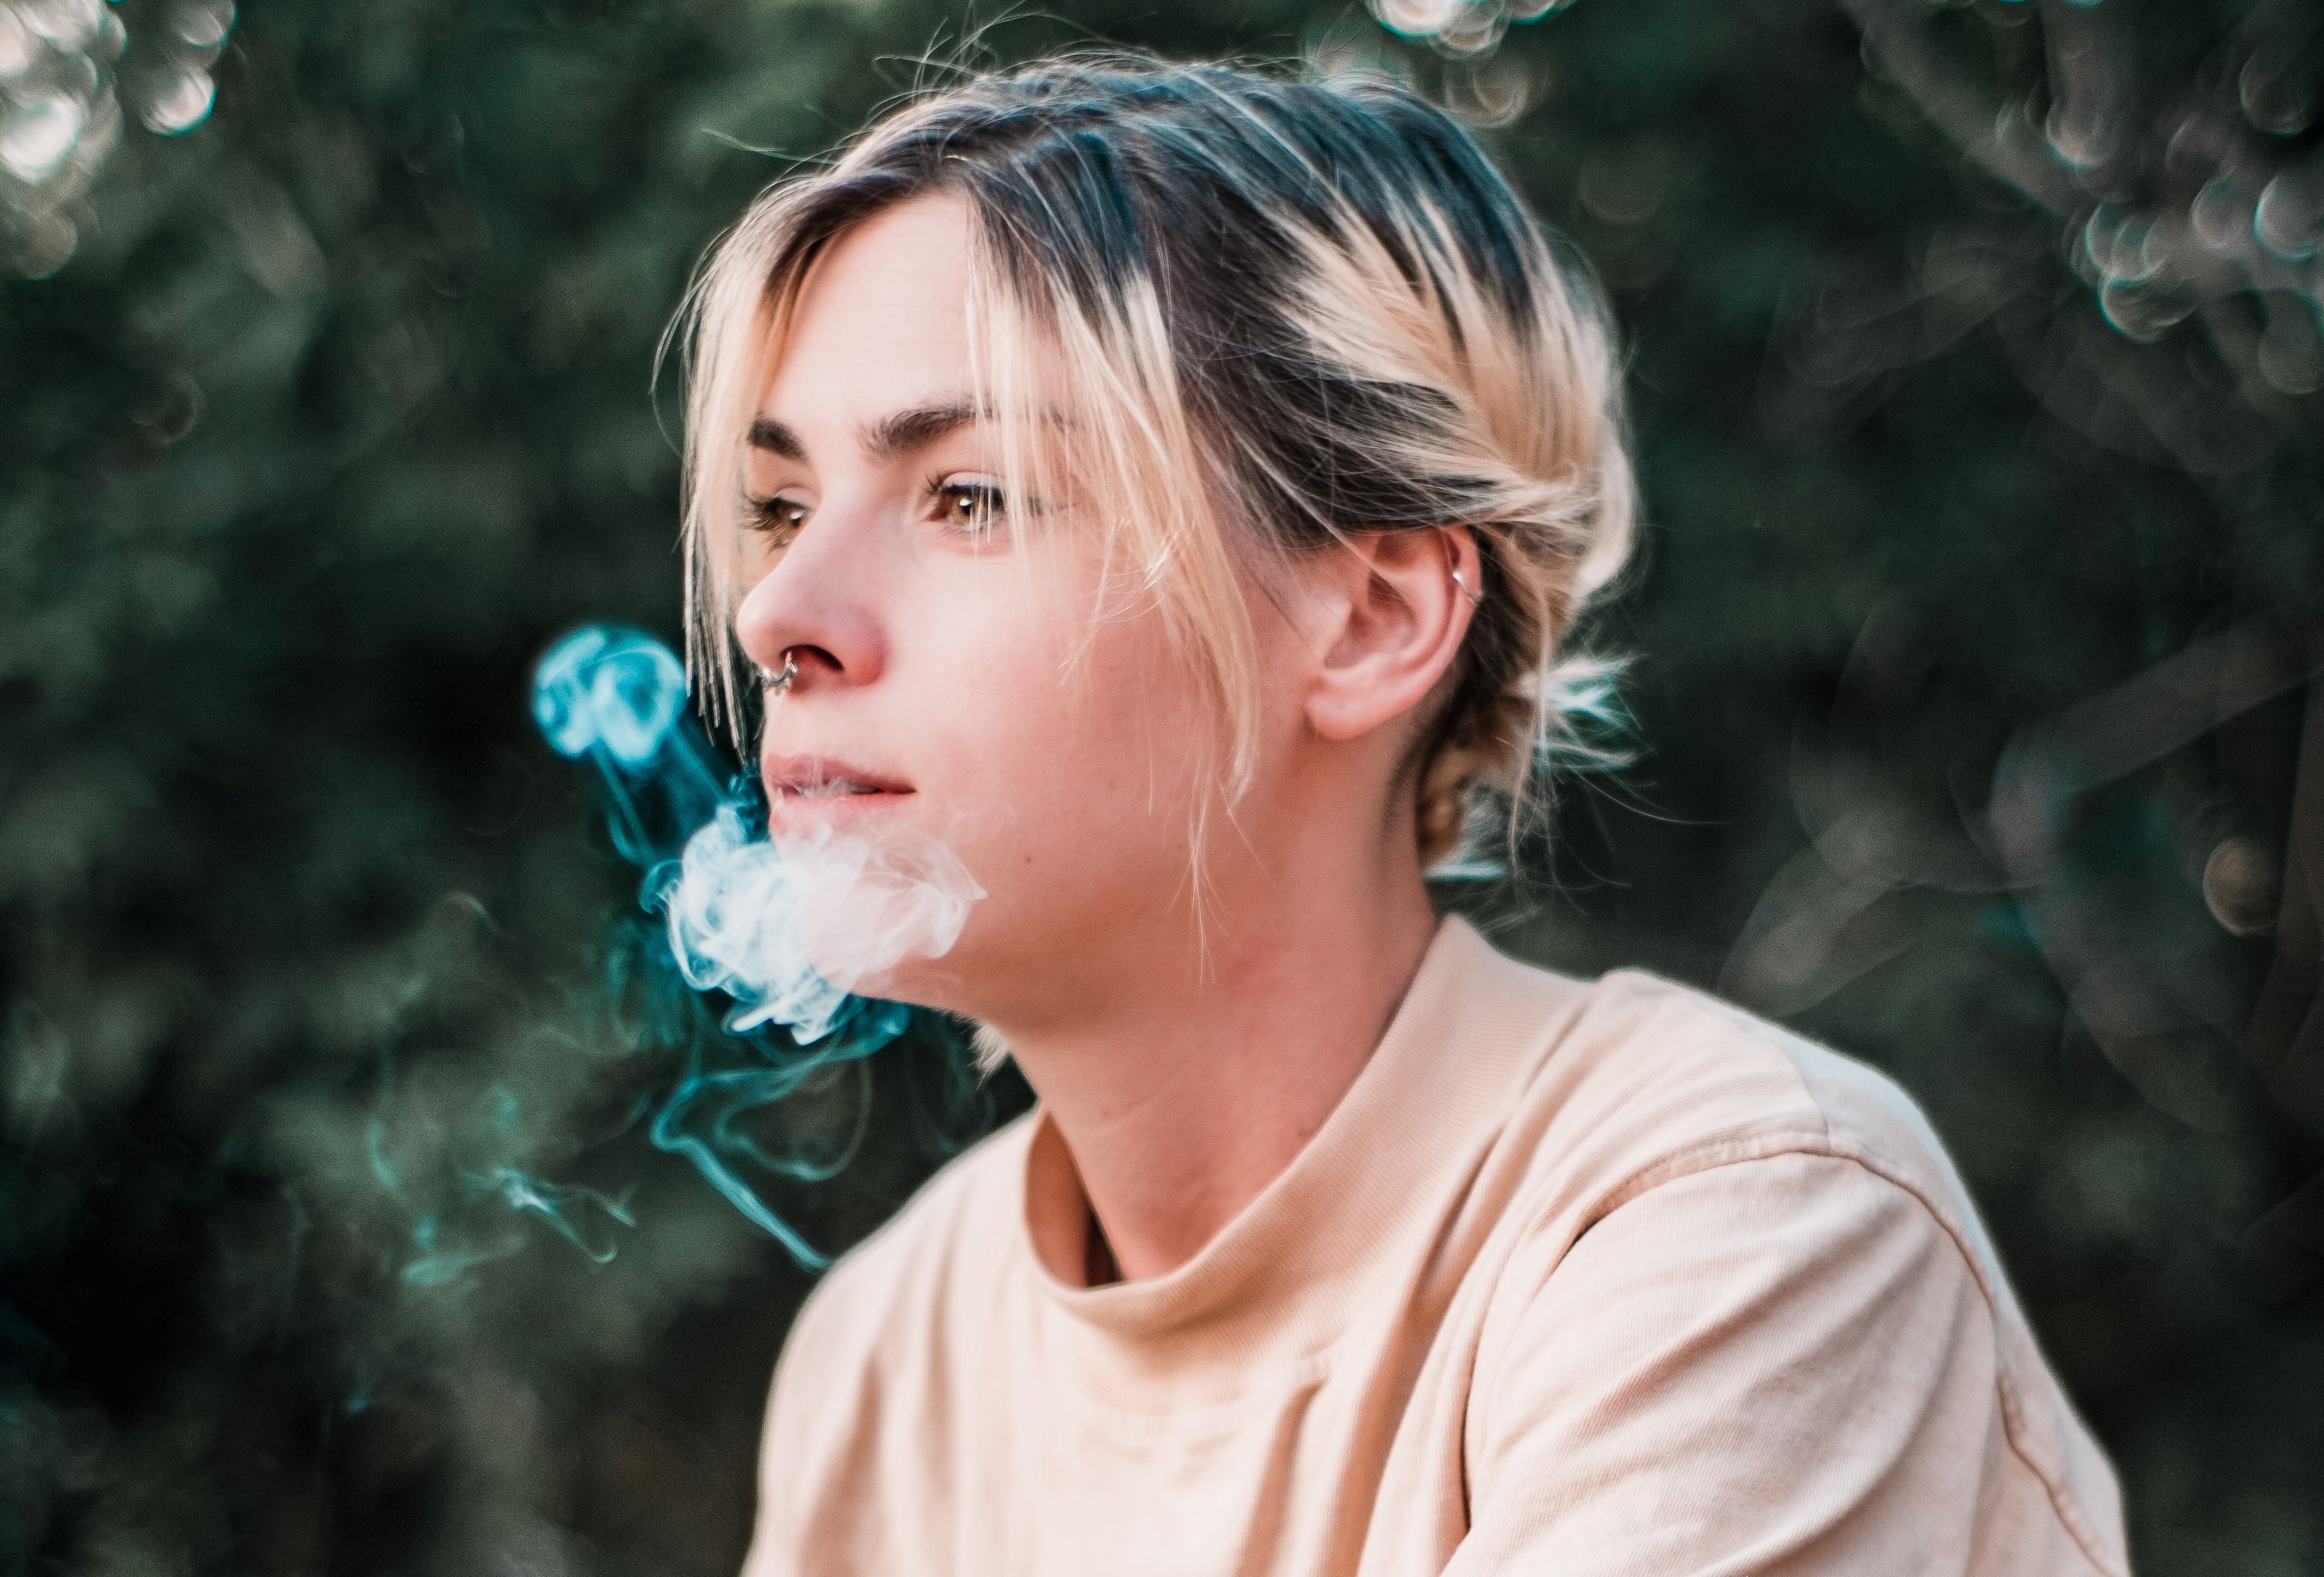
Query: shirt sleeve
x=1780, y=1365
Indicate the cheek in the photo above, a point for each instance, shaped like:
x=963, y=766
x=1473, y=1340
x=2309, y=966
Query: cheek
x=1080, y=762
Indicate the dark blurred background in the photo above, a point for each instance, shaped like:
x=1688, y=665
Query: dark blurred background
x=1974, y=352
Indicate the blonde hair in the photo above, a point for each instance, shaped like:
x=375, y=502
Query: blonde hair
x=1286, y=312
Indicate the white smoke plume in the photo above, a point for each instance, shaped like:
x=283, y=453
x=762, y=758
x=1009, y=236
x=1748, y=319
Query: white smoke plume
x=790, y=927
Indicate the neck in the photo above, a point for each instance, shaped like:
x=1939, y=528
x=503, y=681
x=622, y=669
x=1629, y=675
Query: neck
x=1192, y=1083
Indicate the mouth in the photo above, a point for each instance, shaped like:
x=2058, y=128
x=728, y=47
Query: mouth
x=838, y=787
x=800, y=781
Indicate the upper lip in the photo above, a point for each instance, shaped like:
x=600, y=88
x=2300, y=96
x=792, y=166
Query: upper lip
x=811, y=775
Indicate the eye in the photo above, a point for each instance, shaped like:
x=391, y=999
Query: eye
x=778, y=518
x=970, y=507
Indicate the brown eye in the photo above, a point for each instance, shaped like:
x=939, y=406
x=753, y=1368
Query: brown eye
x=779, y=518
x=968, y=506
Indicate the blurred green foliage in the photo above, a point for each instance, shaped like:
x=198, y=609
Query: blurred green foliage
x=345, y=406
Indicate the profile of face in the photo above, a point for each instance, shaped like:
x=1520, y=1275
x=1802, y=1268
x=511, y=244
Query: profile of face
x=949, y=676
x=970, y=666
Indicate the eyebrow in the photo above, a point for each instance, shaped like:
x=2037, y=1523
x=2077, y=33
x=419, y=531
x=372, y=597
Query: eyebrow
x=899, y=433
x=776, y=439
x=905, y=431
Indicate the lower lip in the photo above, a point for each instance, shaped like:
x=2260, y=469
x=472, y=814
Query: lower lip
x=784, y=808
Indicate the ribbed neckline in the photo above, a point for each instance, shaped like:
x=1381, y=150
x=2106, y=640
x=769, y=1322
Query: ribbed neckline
x=1281, y=1281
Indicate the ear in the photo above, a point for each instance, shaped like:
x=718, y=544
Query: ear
x=1392, y=617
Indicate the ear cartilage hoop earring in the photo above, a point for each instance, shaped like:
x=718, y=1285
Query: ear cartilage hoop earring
x=1474, y=598
x=779, y=684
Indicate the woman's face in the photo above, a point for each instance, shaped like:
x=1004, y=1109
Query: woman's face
x=946, y=681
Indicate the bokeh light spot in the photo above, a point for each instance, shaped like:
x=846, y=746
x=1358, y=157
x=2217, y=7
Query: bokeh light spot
x=39, y=134
x=179, y=100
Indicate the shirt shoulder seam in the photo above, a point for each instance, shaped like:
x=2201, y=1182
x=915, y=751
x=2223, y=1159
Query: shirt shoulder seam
x=1736, y=1150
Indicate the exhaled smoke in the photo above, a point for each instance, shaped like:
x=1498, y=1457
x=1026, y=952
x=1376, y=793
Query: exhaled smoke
x=790, y=927
x=787, y=929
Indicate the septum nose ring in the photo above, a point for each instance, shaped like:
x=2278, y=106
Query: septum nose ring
x=779, y=684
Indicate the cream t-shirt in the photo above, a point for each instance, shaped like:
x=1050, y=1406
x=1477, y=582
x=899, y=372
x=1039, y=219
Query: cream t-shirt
x=1578, y=1279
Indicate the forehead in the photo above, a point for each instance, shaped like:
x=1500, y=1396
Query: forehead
x=881, y=321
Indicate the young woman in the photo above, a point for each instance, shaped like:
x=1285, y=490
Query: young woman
x=1168, y=486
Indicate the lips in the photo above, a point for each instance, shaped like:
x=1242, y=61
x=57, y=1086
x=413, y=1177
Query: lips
x=824, y=780
x=828, y=791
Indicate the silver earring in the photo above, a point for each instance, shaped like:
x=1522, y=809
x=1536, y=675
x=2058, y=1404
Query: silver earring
x=1473, y=598
x=779, y=684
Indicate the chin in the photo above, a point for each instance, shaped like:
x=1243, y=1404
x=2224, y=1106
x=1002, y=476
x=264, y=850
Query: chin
x=941, y=984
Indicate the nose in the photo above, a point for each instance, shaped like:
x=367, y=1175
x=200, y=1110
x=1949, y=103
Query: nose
x=817, y=607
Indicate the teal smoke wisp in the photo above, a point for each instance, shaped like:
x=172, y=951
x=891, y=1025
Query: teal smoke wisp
x=615, y=697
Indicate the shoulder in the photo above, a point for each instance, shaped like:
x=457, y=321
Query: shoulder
x=1648, y=1081
x=903, y=1282
x=1699, y=1181
x=874, y=1364
x=1650, y=1091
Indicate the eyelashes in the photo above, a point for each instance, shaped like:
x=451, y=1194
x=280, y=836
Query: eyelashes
x=777, y=518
